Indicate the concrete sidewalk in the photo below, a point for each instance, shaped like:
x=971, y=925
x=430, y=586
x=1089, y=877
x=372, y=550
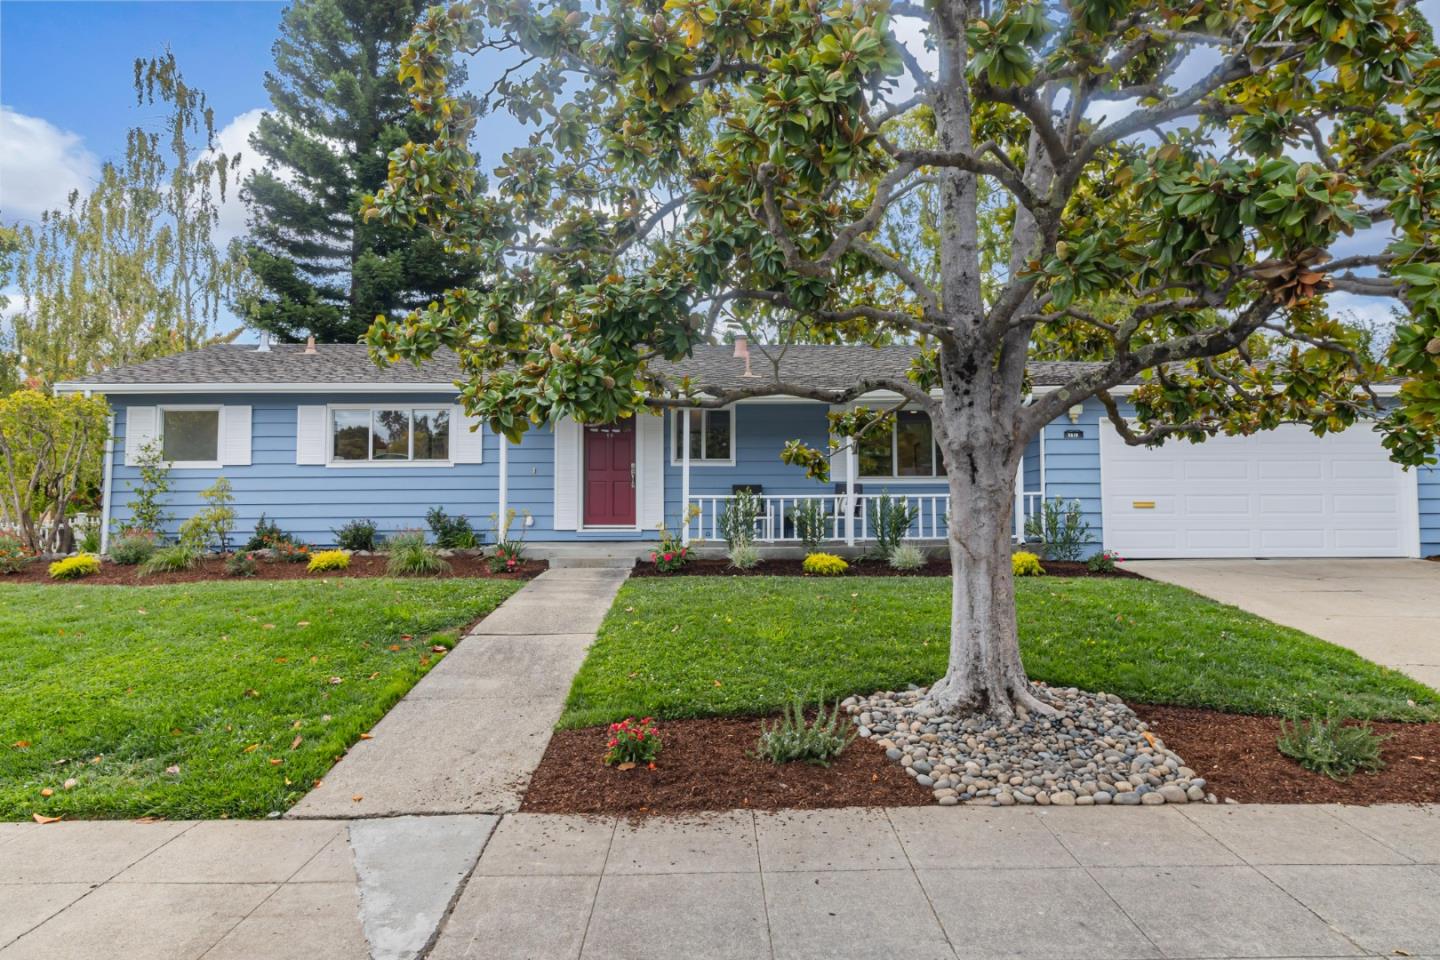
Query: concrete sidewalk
x=915, y=882
x=469, y=735
x=1384, y=610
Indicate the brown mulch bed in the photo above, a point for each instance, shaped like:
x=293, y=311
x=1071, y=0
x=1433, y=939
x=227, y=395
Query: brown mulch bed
x=1238, y=758
x=214, y=569
x=706, y=765
x=858, y=568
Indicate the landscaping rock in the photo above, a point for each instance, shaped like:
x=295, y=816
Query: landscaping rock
x=1094, y=751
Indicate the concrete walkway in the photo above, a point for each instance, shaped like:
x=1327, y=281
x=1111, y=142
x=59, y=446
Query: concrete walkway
x=917, y=882
x=1384, y=610
x=469, y=735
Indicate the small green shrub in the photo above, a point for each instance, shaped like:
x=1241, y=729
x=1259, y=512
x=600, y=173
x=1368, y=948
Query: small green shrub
x=1103, y=562
x=824, y=564
x=1025, y=564
x=13, y=555
x=811, y=520
x=737, y=523
x=509, y=552
x=1060, y=529
x=744, y=556
x=213, y=524
x=451, y=533
x=90, y=538
x=73, y=568
x=1331, y=746
x=793, y=738
x=411, y=556
x=890, y=521
x=323, y=560
x=133, y=547
x=632, y=742
x=182, y=556
x=266, y=536
x=241, y=565
x=356, y=535
x=907, y=557
x=147, y=506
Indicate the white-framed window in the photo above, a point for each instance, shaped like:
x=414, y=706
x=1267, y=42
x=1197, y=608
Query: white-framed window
x=390, y=434
x=189, y=435
x=712, y=437
x=907, y=451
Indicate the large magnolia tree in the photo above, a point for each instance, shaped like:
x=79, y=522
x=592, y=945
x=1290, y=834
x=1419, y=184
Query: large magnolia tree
x=1169, y=180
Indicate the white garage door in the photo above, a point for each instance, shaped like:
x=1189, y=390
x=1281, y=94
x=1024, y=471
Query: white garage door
x=1285, y=493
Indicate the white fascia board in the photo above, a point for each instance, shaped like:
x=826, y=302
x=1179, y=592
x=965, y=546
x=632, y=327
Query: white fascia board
x=310, y=387
x=1125, y=389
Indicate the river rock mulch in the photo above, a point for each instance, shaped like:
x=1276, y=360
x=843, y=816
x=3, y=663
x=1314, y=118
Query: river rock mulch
x=1094, y=751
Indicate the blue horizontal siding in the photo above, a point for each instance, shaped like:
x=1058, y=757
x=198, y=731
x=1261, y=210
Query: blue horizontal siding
x=1072, y=466
x=1429, y=480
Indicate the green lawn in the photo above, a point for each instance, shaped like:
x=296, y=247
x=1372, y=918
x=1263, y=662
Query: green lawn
x=234, y=683
x=698, y=646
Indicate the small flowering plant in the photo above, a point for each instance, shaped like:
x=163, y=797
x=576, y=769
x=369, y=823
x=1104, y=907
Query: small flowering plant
x=632, y=742
x=1104, y=562
x=671, y=555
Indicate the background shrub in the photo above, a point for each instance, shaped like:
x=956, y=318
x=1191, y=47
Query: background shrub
x=356, y=535
x=411, y=556
x=744, y=556
x=890, y=521
x=13, y=555
x=810, y=518
x=451, y=533
x=267, y=536
x=73, y=568
x=323, y=560
x=241, y=564
x=1060, y=529
x=132, y=547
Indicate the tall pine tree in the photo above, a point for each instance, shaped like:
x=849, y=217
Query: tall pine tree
x=337, y=112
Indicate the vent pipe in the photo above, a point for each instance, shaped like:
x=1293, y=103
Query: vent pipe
x=310, y=343
x=742, y=351
x=264, y=342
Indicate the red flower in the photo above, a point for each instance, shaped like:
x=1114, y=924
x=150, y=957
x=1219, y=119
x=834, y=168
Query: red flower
x=669, y=557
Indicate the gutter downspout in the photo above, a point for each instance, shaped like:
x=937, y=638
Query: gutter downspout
x=685, y=475
x=105, y=487
x=850, y=493
x=504, y=516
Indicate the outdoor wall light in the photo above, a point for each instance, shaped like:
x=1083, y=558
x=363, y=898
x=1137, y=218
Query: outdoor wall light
x=1075, y=411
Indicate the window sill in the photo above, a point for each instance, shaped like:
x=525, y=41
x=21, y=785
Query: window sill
x=391, y=464
x=904, y=480
x=703, y=463
x=193, y=464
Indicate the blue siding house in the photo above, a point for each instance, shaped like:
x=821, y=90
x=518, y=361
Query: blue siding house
x=313, y=436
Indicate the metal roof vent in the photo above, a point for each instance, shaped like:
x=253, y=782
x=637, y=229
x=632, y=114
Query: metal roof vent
x=264, y=346
x=310, y=343
x=742, y=351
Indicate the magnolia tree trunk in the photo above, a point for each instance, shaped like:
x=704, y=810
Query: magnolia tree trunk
x=985, y=674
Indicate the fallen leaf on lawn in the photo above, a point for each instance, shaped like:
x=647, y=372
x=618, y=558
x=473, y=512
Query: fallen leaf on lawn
x=40, y=818
x=173, y=770
x=176, y=732
x=22, y=744
x=302, y=623
x=318, y=781
x=296, y=724
x=375, y=674
x=70, y=784
x=629, y=609
x=325, y=718
x=719, y=684
x=367, y=736
x=424, y=661
x=287, y=781
x=282, y=659
x=407, y=637
x=60, y=763
x=296, y=742
x=626, y=766
x=252, y=694
x=276, y=761
x=394, y=647
x=267, y=626
x=358, y=797
x=314, y=659
x=437, y=649
x=252, y=748
x=336, y=680
x=142, y=611
x=47, y=792
x=96, y=759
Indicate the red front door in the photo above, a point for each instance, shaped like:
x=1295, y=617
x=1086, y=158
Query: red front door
x=610, y=475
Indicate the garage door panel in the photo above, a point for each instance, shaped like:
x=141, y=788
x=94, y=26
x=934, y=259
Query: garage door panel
x=1285, y=493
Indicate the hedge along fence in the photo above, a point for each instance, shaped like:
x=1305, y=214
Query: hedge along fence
x=50, y=451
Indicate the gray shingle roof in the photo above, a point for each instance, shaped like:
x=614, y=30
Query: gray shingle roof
x=813, y=366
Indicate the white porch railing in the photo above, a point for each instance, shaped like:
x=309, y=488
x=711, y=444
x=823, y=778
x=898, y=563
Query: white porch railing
x=775, y=520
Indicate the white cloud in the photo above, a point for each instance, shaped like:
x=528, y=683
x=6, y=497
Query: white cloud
x=39, y=165
x=231, y=139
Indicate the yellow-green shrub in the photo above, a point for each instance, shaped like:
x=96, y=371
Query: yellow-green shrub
x=825, y=564
x=73, y=568
x=1024, y=564
x=328, y=560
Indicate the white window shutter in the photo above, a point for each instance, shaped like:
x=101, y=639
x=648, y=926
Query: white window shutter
x=142, y=426
x=567, y=474
x=651, y=469
x=311, y=426
x=234, y=436
x=467, y=437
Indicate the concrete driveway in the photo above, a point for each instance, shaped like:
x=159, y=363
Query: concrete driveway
x=1385, y=610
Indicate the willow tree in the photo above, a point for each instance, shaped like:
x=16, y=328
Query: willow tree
x=1189, y=165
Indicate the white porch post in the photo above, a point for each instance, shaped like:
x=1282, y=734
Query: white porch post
x=685, y=474
x=850, y=493
x=107, y=485
x=1020, y=502
x=504, y=485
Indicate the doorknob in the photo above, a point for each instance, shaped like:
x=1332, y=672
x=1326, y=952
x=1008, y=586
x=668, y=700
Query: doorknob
x=632, y=474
